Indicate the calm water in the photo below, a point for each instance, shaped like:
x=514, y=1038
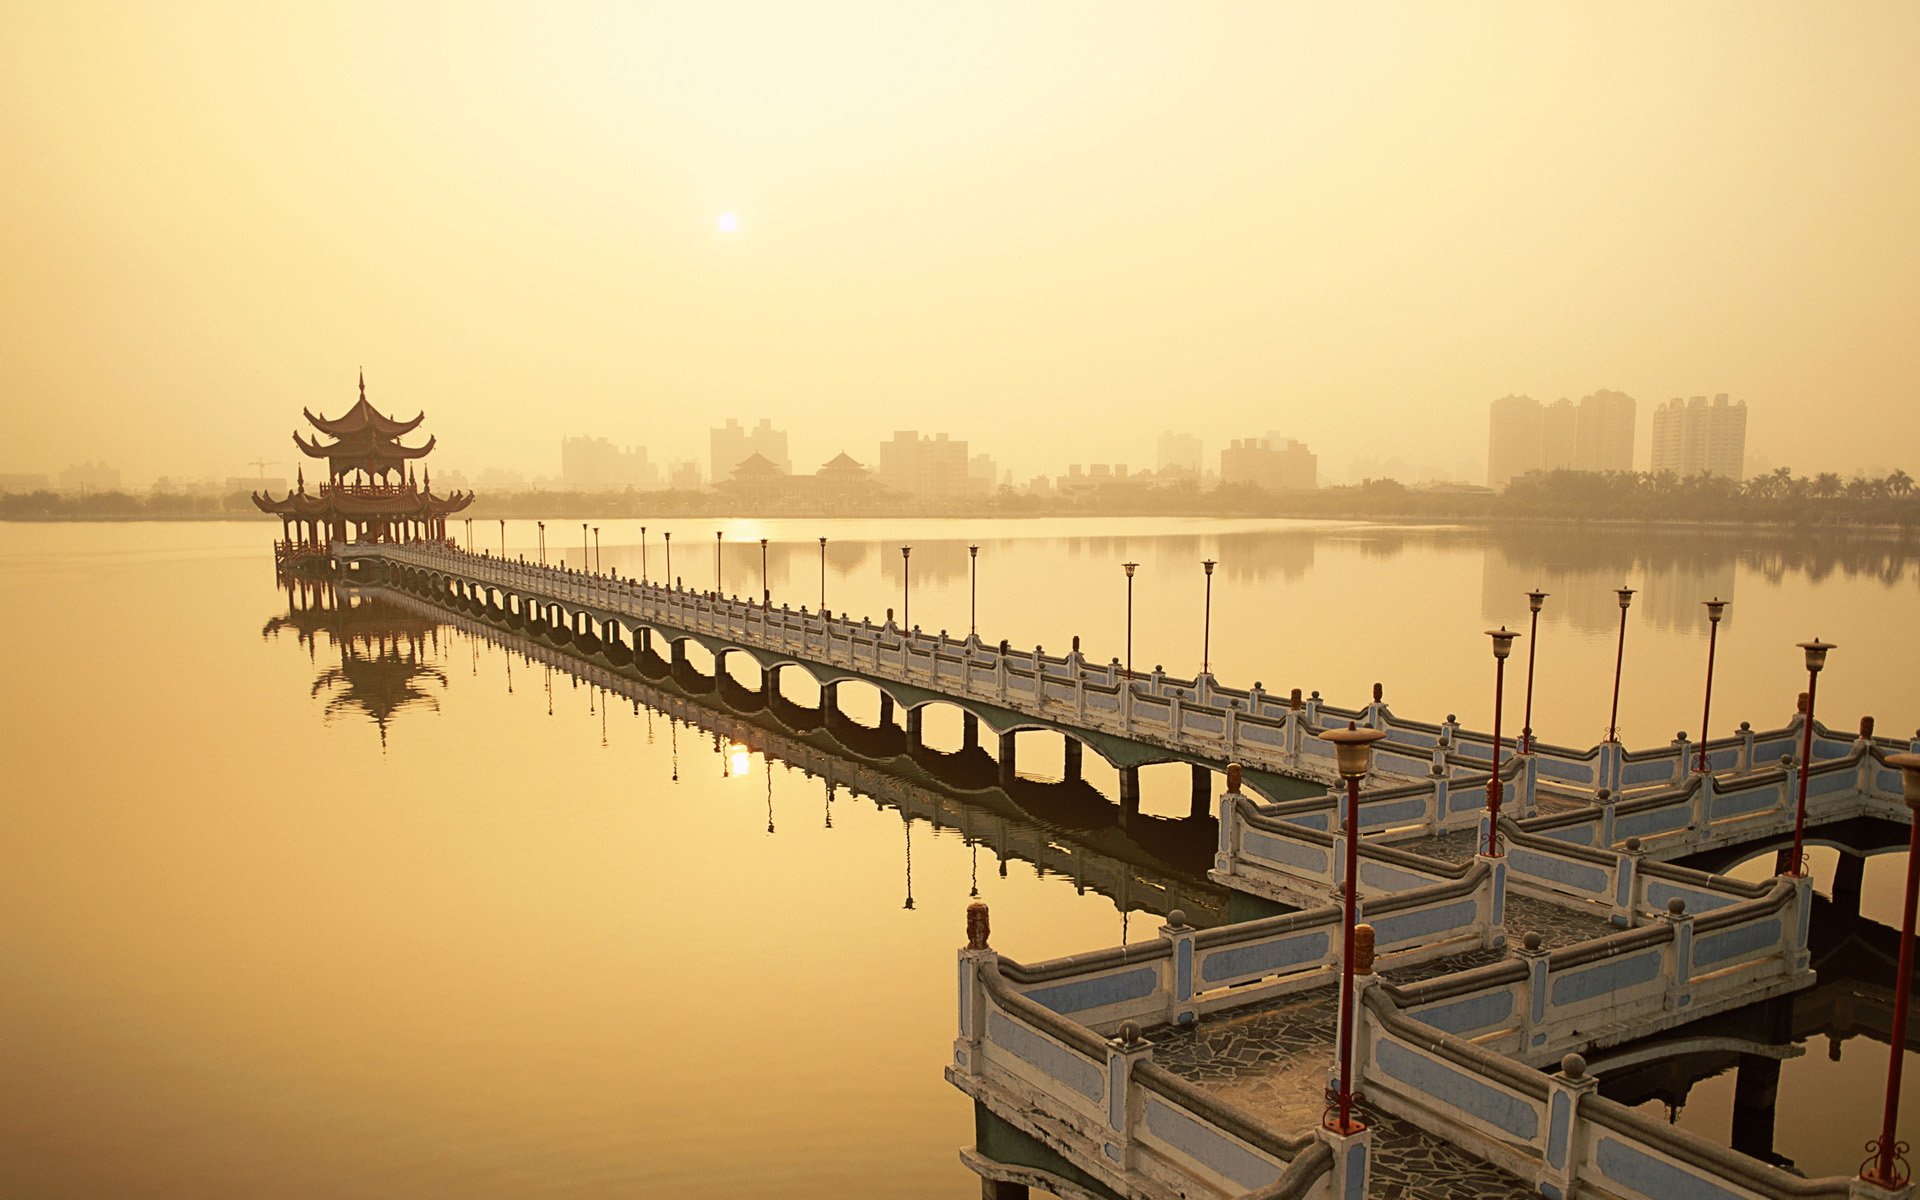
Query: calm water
x=521, y=942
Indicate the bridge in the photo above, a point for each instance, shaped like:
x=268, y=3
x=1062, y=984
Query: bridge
x=1193, y=1065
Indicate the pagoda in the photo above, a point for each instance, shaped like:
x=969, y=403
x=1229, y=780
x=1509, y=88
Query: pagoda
x=370, y=494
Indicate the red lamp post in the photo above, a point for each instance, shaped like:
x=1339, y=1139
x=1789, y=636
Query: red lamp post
x=1206, y=628
x=1129, y=568
x=973, y=590
x=1816, y=658
x=1885, y=1167
x=1353, y=755
x=643, y=554
x=1502, y=646
x=1535, y=599
x=668, y=535
x=1619, y=656
x=1715, y=608
x=766, y=593
x=716, y=564
x=586, y=551
x=823, y=577
x=906, y=587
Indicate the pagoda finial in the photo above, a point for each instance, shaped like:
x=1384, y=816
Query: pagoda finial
x=300, y=473
x=427, y=474
x=363, y=383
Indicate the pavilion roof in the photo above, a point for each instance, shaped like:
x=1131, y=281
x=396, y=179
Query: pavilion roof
x=362, y=416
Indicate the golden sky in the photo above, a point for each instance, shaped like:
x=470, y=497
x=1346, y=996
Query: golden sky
x=1052, y=229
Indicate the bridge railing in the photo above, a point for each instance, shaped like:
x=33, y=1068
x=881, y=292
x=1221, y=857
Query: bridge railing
x=1196, y=716
x=1448, y=1054
x=1106, y=1099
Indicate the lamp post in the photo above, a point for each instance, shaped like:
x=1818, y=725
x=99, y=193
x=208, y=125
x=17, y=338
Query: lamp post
x=1353, y=755
x=973, y=591
x=668, y=536
x=543, y=540
x=1884, y=1168
x=1535, y=599
x=766, y=594
x=906, y=587
x=1816, y=658
x=823, y=576
x=1715, y=607
x=503, y=537
x=1206, y=626
x=1502, y=646
x=1129, y=568
x=596, y=547
x=586, y=551
x=643, y=554
x=469, y=521
x=716, y=564
x=1619, y=656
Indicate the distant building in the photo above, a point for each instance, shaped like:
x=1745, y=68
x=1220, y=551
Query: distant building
x=982, y=474
x=684, y=477
x=1594, y=435
x=930, y=467
x=1694, y=436
x=92, y=477
x=842, y=479
x=1180, y=453
x=593, y=464
x=25, y=482
x=732, y=445
x=1275, y=464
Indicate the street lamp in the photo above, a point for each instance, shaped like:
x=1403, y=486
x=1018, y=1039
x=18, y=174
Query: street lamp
x=973, y=590
x=1715, y=608
x=543, y=540
x=1885, y=1170
x=1353, y=755
x=668, y=536
x=716, y=564
x=596, y=547
x=766, y=594
x=1619, y=656
x=906, y=587
x=503, y=537
x=643, y=555
x=1502, y=646
x=823, y=576
x=586, y=551
x=1816, y=658
x=1206, y=627
x=469, y=521
x=1129, y=568
x=1535, y=599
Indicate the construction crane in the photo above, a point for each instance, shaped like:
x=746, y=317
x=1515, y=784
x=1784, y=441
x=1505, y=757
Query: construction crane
x=262, y=466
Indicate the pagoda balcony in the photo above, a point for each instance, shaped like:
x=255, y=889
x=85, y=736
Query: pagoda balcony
x=371, y=491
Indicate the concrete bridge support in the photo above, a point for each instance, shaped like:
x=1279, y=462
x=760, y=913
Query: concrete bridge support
x=969, y=732
x=1129, y=792
x=679, y=655
x=914, y=716
x=1071, y=762
x=886, y=710
x=1009, y=766
x=1202, y=800
x=1848, y=874
x=830, y=715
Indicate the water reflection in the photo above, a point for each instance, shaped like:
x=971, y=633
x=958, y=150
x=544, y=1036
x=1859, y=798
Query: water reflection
x=384, y=650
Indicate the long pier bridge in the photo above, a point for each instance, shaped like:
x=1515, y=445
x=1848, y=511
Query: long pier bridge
x=1194, y=1065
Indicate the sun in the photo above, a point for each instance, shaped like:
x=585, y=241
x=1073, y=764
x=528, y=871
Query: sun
x=728, y=222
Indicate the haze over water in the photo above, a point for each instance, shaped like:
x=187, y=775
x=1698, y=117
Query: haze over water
x=247, y=947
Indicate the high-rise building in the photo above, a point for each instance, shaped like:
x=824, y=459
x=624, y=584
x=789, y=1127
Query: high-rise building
x=1274, y=463
x=593, y=464
x=1593, y=435
x=733, y=445
x=1180, y=454
x=934, y=466
x=1693, y=436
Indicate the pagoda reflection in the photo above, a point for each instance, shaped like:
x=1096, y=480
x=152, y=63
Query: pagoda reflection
x=384, y=654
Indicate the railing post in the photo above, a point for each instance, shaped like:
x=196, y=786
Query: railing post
x=1682, y=755
x=1180, y=1010
x=1496, y=935
x=1626, y=882
x=1438, y=775
x=1610, y=762
x=1679, y=971
x=1560, y=1165
x=1533, y=1021
x=1746, y=747
x=1124, y=1053
x=1606, y=801
x=1703, y=802
x=975, y=958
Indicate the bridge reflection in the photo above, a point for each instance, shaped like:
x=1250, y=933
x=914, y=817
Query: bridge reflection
x=390, y=644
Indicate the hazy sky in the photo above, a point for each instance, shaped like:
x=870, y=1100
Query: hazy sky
x=1052, y=229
